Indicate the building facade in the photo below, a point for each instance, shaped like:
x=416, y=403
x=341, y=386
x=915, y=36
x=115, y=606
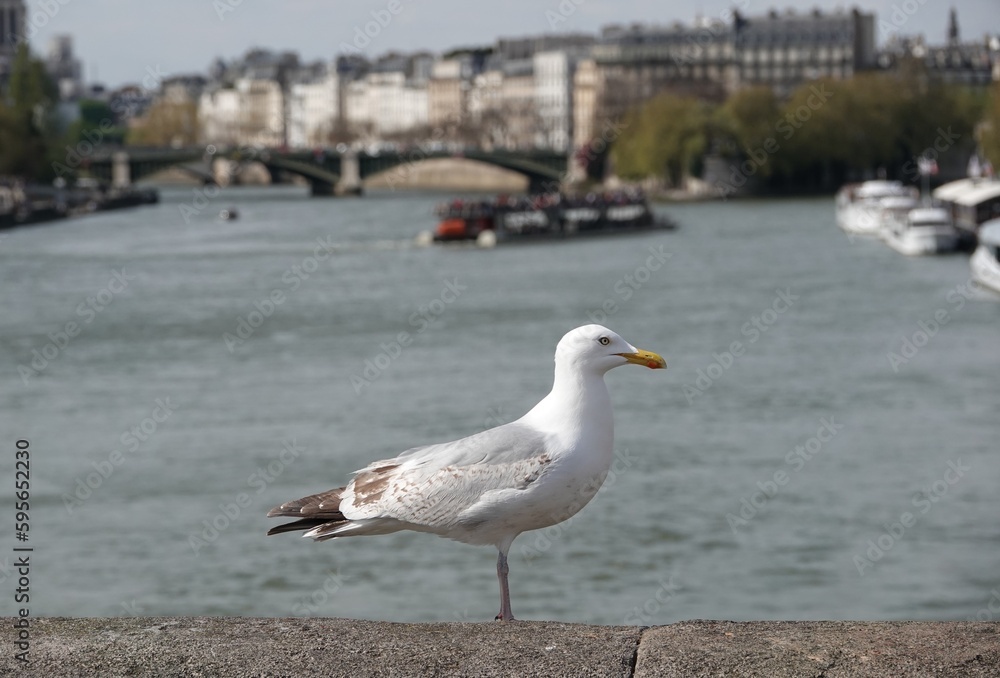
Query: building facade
x=714, y=58
x=972, y=64
x=784, y=50
x=635, y=63
x=447, y=92
x=517, y=122
x=313, y=110
x=585, y=92
x=553, y=75
x=252, y=112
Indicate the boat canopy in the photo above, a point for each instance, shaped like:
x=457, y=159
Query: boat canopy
x=989, y=233
x=980, y=194
x=950, y=191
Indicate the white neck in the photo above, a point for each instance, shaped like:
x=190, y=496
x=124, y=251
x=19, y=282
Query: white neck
x=577, y=407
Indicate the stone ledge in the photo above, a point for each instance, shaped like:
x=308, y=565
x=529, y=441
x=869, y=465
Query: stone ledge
x=243, y=646
x=827, y=649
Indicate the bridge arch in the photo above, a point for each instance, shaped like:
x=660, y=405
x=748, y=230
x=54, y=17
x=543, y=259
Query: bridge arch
x=330, y=172
x=543, y=171
x=448, y=173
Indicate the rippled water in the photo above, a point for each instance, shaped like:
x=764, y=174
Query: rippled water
x=712, y=436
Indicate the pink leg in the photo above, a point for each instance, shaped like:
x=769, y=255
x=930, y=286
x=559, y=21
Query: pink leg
x=506, y=614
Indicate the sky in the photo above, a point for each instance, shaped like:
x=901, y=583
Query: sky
x=124, y=41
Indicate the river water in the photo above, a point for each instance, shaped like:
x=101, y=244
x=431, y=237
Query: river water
x=824, y=444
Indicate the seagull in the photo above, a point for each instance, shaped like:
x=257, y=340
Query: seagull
x=490, y=487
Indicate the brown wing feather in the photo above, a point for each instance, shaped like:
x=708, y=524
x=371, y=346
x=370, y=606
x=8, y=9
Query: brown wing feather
x=313, y=511
x=321, y=505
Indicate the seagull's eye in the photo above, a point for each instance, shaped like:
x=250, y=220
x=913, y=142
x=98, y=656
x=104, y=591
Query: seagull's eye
x=604, y=341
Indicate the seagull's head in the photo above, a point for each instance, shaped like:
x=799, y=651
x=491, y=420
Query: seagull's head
x=598, y=348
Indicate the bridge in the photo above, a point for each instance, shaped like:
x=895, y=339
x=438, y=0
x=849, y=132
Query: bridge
x=328, y=173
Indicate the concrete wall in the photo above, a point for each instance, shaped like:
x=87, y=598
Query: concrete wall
x=238, y=646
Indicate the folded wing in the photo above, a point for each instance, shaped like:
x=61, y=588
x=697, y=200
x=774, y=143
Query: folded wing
x=434, y=488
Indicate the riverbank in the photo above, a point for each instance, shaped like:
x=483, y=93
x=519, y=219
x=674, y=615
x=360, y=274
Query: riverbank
x=41, y=204
x=238, y=646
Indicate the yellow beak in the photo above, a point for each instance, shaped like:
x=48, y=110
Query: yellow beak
x=651, y=360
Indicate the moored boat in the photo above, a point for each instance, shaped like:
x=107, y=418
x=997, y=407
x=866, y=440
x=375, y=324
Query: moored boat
x=985, y=262
x=919, y=230
x=859, y=206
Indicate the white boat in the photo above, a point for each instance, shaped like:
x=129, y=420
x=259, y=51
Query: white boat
x=894, y=209
x=919, y=230
x=859, y=206
x=985, y=262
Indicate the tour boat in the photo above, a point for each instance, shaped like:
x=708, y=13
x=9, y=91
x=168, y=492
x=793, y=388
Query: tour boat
x=544, y=216
x=859, y=206
x=985, y=262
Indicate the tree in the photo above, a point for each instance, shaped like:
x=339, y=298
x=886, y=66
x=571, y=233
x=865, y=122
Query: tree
x=990, y=128
x=664, y=138
x=96, y=125
x=26, y=122
x=748, y=118
x=30, y=84
x=931, y=116
x=166, y=123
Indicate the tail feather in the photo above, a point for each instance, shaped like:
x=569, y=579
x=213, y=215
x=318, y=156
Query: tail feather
x=319, y=514
x=304, y=524
x=354, y=528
